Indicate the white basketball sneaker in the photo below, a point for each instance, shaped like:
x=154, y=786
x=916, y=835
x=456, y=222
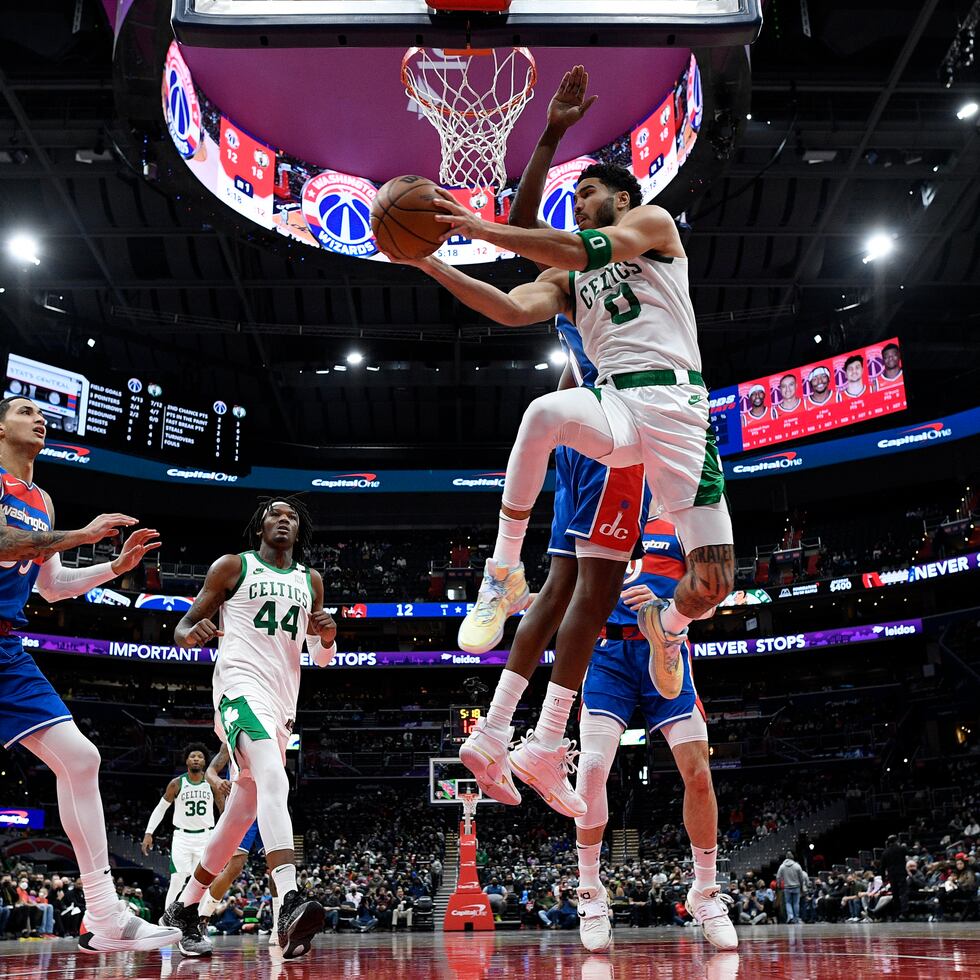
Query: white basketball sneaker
x=484, y=753
x=594, y=927
x=546, y=772
x=709, y=909
x=126, y=933
x=504, y=592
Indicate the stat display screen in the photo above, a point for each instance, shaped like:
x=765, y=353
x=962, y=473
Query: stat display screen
x=137, y=414
x=463, y=719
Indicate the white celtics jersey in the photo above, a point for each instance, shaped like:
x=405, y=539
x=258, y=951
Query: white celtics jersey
x=264, y=622
x=194, y=805
x=636, y=315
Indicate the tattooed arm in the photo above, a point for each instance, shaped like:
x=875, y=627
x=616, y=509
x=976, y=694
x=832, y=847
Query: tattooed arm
x=18, y=545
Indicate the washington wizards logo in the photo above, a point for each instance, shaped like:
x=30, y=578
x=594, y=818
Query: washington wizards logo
x=695, y=96
x=180, y=106
x=558, y=200
x=337, y=208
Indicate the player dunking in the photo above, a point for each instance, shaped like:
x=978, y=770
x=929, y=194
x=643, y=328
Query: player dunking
x=617, y=683
x=622, y=279
x=31, y=713
x=598, y=517
x=194, y=804
x=268, y=603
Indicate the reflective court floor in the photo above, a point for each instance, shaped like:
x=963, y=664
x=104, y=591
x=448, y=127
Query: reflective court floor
x=910, y=951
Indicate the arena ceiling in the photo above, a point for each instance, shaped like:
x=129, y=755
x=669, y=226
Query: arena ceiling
x=852, y=131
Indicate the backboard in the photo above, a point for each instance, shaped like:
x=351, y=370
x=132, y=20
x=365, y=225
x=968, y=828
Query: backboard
x=404, y=23
x=448, y=780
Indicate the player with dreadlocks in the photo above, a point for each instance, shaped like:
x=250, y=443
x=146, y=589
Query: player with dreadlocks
x=268, y=603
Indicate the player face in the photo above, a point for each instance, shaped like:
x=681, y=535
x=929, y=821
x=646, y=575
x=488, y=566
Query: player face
x=757, y=399
x=854, y=371
x=24, y=425
x=280, y=526
x=196, y=762
x=819, y=382
x=787, y=388
x=891, y=358
x=595, y=204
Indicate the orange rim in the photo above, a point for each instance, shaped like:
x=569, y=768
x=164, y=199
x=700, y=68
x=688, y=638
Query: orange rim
x=467, y=52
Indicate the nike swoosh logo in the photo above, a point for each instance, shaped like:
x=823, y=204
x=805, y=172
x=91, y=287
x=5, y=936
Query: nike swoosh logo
x=694, y=399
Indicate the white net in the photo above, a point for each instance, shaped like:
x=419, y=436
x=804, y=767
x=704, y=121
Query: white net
x=473, y=99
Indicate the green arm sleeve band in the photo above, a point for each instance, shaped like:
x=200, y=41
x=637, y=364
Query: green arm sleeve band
x=598, y=249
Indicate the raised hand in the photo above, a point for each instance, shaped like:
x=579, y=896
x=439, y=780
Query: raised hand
x=569, y=103
x=105, y=526
x=136, y=546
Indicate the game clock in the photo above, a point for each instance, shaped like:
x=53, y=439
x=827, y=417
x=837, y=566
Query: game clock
x=463, y=719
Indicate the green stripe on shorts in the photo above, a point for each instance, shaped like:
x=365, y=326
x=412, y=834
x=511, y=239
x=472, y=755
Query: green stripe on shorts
x=712, y=484
x=237, y=718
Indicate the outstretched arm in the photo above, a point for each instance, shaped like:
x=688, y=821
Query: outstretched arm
x=643, y=229
x=567, y=107
x=18, y=545
x=196, y=627
x=56, y=582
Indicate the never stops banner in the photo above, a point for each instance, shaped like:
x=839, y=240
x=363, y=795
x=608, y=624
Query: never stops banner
x=835, y=391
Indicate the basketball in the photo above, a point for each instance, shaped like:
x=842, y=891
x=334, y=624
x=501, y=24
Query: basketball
x=403, y=217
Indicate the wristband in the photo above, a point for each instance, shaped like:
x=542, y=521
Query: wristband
x=598, y=249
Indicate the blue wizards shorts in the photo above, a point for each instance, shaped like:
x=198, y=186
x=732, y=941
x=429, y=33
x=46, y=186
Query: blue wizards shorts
x=595, y=503
x=618, y=682
x=252, y=836
x=28, y=702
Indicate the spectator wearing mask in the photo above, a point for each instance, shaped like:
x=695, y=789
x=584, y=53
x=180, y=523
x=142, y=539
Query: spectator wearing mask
x=793, y=879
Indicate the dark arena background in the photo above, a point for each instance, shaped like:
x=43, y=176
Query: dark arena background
x=191, y=292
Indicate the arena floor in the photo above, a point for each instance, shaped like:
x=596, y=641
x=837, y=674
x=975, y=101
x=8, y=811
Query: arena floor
x=908, y=951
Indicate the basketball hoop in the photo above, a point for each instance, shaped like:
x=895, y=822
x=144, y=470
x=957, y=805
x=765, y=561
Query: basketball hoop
x=473, y=97
x=469, y=801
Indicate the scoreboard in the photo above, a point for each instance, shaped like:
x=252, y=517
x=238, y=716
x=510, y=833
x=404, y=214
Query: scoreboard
x=462, y=721
x=133, y=414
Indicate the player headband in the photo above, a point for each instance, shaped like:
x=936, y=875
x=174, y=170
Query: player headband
x=819, y=370
x=756, y=388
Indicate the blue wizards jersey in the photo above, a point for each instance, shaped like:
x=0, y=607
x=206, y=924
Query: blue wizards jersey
x=583, y=370
x=660, y=569
x=24, y=508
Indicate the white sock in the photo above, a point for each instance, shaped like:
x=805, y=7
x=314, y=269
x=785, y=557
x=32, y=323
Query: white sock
x=672, y=620
x=510, y=687
x=101, y=900
x=550, y=729
x=193, y=891
x=510, y=539
x=588, y=865
x=207, y=904
x=285, y=878
x=705, y=874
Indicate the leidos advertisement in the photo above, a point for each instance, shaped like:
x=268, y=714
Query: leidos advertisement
x=791, y=643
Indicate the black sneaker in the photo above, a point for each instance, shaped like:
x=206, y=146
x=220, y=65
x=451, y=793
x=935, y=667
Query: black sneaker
x=300, y=920
x=188, y=921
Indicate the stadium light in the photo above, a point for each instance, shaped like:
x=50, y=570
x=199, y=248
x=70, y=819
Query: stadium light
x=90, y=341
x=322, y=371
x=340, y=367
x=354, y=358
x=541, y=366
x=878, y=246
x=967, y=111
x=817, y=338
x=558, y=357
x=23, y=248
